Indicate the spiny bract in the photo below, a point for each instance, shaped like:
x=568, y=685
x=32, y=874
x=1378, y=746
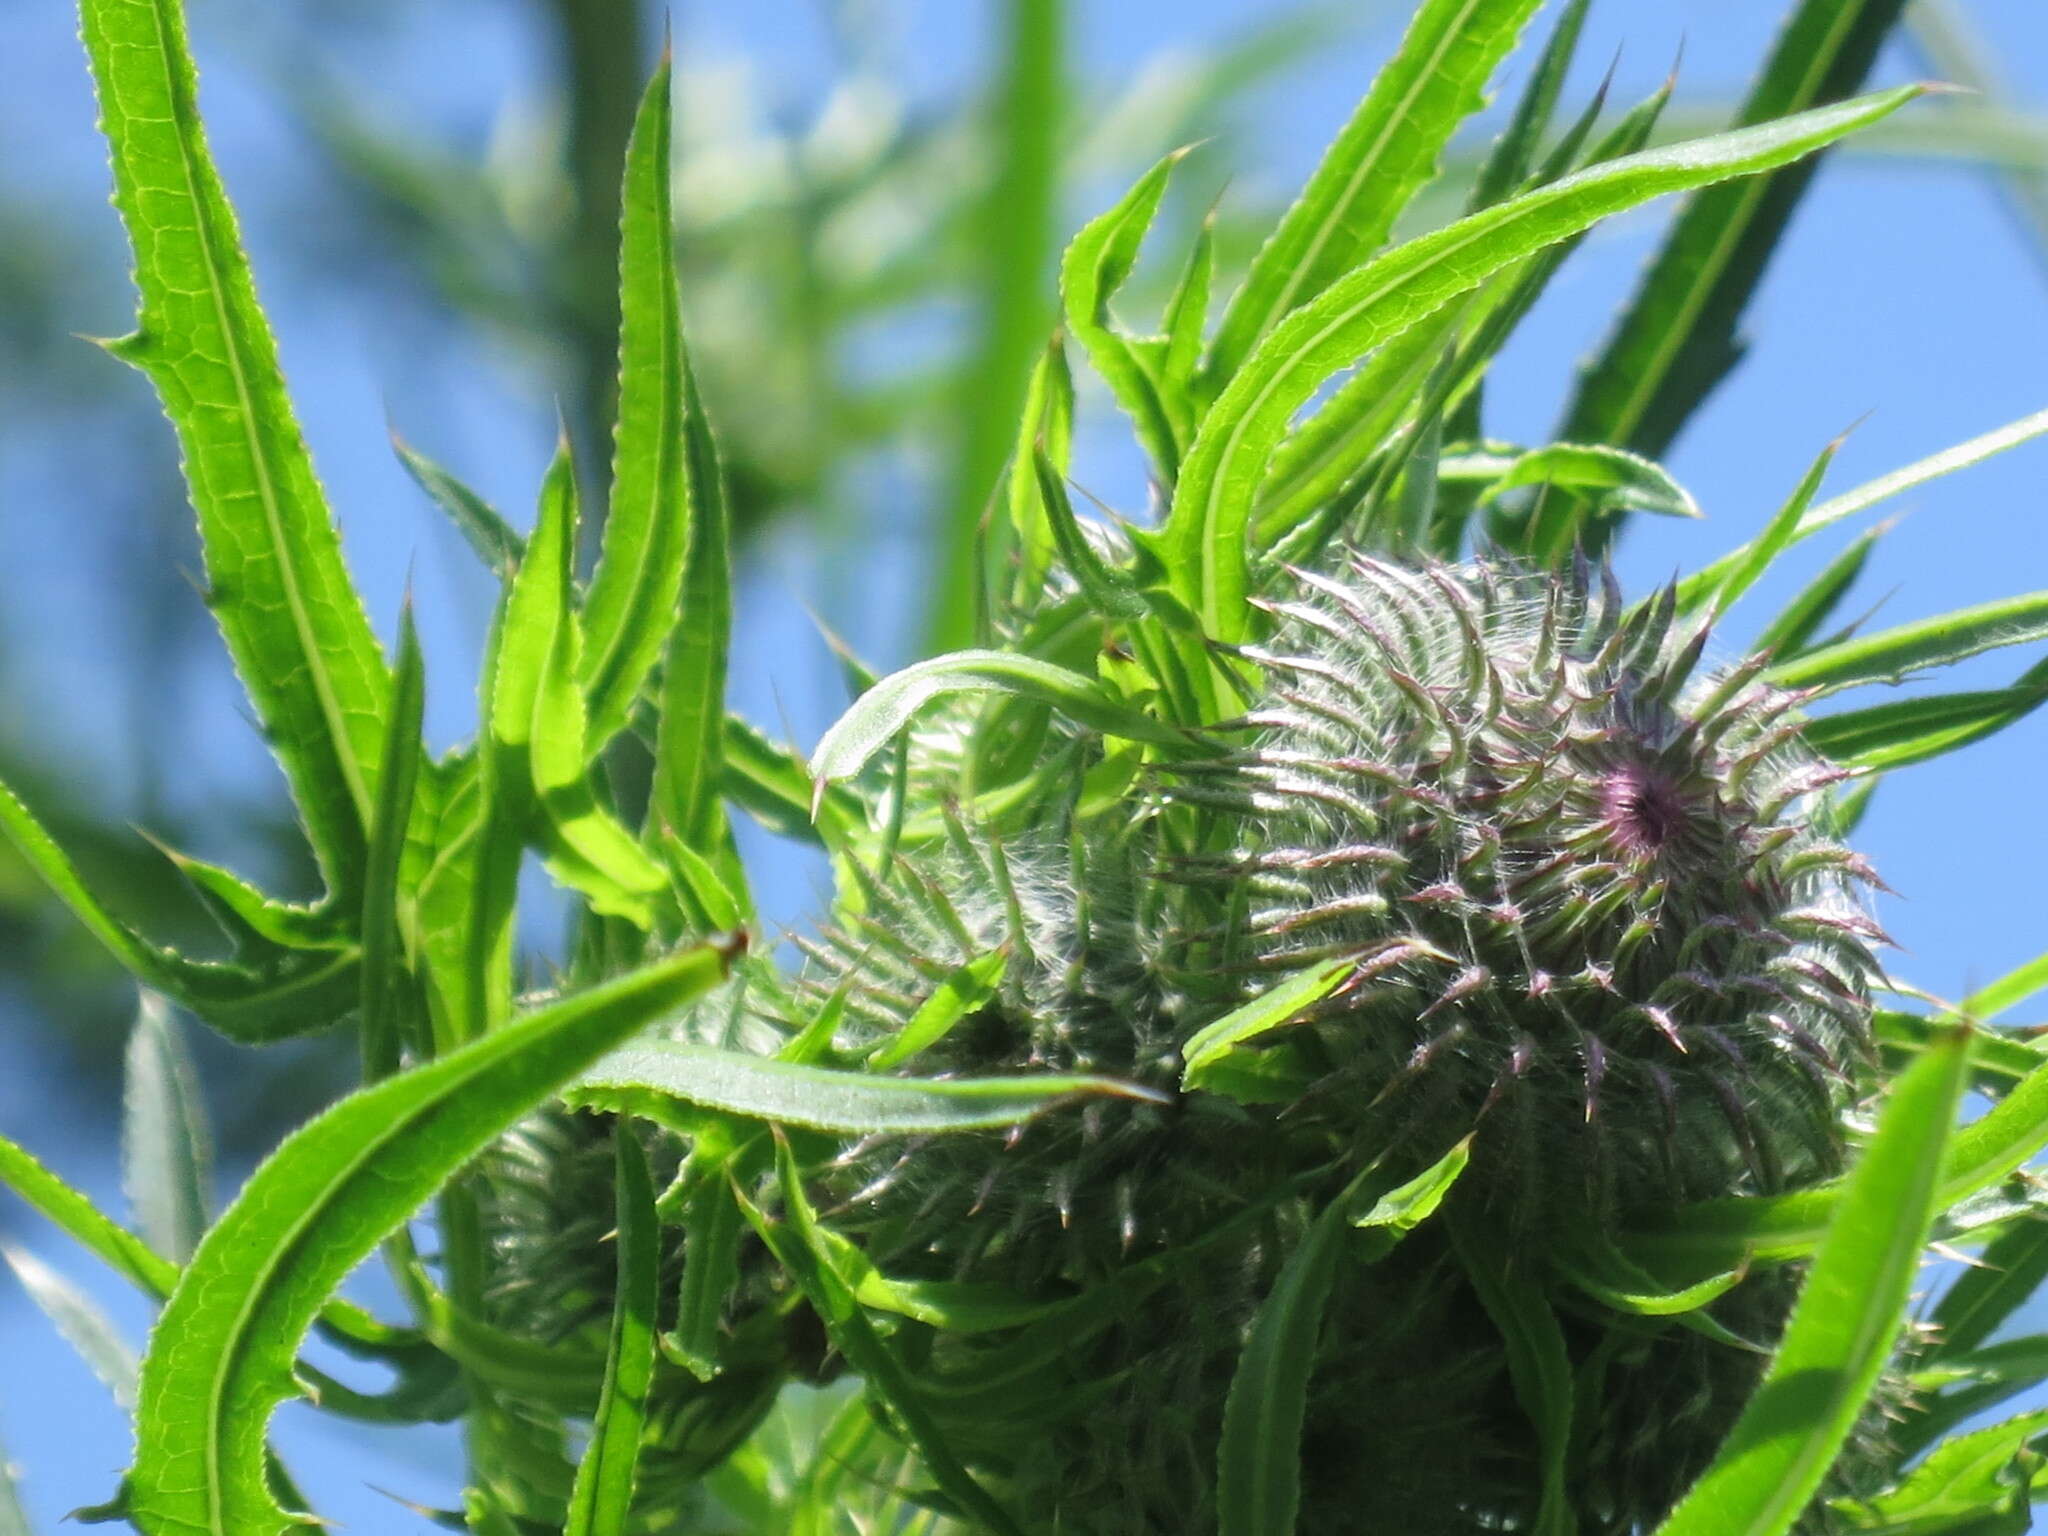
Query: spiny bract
x=1587, y=901
x=1586, y=910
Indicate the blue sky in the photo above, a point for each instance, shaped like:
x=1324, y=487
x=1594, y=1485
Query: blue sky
x=1906, y=304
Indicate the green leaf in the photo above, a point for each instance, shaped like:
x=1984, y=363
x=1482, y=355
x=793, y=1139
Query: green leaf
x=2011, y=1269
x=121, y=1250
x=166, y=1153
x=1882, y=489
x=1383, y=156
x=963, y=991
x=280, y=590
x=773, y=785
x=1205, y=533
x=888, y=706
x=1772, y=542
x=1891, y=655
x=1016, y=240
x=637, y=1077
x=380, y=1026
x=1407, y=1206
x=270, y=993
x=1800, y=620
x=1110, y=590
x=539, y=732
x=1094, y=267
x=1514, y=152
x=496, y=542
x=1850, y=1310
x=1258, y=1464
x=1960, y=1484
x=1913, y=730
x=220, y=1358
x=1677, y=338
x=799, y=1244
x=1277, y=1006
x=1608, y=477
x=1539, y=1364
x=631, y=605
x=602, y=1503
x=1046, y=426
x=690, y=743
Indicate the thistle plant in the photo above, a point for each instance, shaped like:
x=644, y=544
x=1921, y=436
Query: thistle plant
x=1332, y=1015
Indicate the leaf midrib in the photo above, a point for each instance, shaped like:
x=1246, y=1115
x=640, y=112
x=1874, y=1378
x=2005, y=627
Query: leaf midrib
x=167, y=52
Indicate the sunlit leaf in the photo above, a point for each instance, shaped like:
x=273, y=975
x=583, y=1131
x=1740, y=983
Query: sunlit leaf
x=602, y=1502
x=280, y=590
x=1850, y=1310
x=220, y=1359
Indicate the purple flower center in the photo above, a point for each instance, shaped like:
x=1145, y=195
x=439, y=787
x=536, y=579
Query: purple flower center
x=1642, y=808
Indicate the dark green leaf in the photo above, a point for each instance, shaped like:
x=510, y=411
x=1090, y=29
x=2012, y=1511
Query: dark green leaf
x=1678, y=337
x=383, y=1014
x=496, y=542
x=1801, y=619
x=1913, y=730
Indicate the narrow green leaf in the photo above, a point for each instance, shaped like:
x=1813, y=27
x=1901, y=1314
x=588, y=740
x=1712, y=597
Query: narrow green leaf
x=1109, y=589
x=711, y=1223
x=1913, y=730
x=631, y=605
x=280, y=590
x=2008, y=992
x=380, y=1025
x=1268, y=1011
x=2008, y=1273
x=1893, y=654
x=1850, y=1310
x=1961, y=1485
x=1407, y=1206
x=602, y=1503
x=220, y=1358
x=1602, y=475
x=1205, y=533
x=497, y=543
x=962, y=992
x=1792, y=631
x=1258, y=1464
x=1539, y=1364
x=823, y=1098
x=539, y=733
x=1772, y=542
x=1884, y=488
x=885, y=708
x=689, y=751
x=1383, y=156
x=1096, y=264
x=1514, y=152
x=261, y=997
x=773, y=785
x=1046, y=426
x=121, y=1250
x=1017, y=240
x=799, y=1244
x=81, y=1320
x=1678, y=337
x=166, y=1153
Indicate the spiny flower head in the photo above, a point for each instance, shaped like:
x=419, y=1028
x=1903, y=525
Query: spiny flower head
x=1586, y=898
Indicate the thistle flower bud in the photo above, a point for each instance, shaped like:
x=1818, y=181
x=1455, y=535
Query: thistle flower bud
x=1586, y=911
